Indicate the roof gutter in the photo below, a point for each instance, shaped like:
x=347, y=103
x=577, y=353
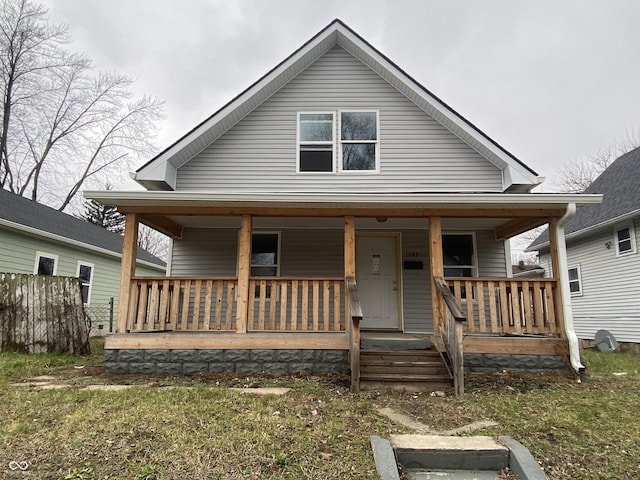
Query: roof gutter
x=563, y=276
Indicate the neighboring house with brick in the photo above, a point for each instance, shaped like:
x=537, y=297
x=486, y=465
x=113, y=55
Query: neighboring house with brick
x=602, y=254
x=36, y=239
x=333, y=167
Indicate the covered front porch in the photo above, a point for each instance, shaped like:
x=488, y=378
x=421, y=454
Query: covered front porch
x=294, y=314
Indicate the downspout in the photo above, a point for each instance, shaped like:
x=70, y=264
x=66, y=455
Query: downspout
x=563, y=276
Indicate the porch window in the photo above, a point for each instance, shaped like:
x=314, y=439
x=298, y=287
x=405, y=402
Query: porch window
x=85, y=273
x=458, y=255
x=46, y=264
x=575, y=281
x=316, y=143
x=265, y=258
x=359, y=141
x=625, y=240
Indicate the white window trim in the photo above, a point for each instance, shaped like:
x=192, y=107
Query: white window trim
x=340, y=142
x=579, y=292
x=332, y=142
x=269, y=232
x=93, y=270
x=475, y=252
x=632, y=238
x=46, y=255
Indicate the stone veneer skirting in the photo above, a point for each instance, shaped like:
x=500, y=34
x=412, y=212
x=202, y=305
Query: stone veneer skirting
x=245, y=361
x=493, y=362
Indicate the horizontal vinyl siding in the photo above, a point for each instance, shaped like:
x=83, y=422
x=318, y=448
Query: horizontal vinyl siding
x=416, y=152
x=610, y=297
x=18, y=255
x=491, y=255
x=312, y=253
x=416, y=287
x=203, y=252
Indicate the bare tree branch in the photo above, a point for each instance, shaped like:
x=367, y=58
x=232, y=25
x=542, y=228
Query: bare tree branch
x=61, y=122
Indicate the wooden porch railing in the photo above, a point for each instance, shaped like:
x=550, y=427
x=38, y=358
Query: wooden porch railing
x=275, y=304
x=314, y=304
x=506, y=306
x=159, y=304
x=451, y=335
x=355, y=310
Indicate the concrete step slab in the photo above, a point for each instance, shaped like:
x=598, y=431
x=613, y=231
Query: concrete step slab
x=419, y=474
x=438, y=452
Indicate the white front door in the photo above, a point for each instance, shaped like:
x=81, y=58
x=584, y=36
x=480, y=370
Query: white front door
x=377, y=278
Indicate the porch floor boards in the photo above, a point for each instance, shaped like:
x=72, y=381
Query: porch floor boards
x=397, y=361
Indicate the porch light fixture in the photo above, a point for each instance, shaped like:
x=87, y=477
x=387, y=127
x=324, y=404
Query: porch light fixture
x=607, y=245
x=381, y=219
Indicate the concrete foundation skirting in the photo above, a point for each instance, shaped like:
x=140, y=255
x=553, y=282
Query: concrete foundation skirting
x=493, y=362
x=243, y=361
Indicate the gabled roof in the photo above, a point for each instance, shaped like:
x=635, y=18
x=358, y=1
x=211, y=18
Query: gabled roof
x=160, y=172
x=620, y=185
x=22, y=214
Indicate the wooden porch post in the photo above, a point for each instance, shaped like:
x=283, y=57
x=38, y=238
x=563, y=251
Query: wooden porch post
x=127, y=269
x=556, y=268
x=244, y=270
x=437, y=270
x=353, y=323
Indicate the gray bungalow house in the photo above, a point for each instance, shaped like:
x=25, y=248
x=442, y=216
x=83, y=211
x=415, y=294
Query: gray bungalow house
x=602, y=254
x=337, y=194
x=36, y=239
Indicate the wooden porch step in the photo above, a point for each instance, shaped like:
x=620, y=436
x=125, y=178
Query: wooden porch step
x=410, y=370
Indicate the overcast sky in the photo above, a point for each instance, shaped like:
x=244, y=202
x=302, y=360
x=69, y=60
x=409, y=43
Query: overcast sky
x=550, y=81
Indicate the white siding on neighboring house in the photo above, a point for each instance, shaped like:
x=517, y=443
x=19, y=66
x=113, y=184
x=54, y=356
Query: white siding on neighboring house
x=610, y=286
x=416, y=152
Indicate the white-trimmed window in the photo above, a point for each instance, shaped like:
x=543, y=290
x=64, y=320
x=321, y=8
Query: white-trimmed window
x=46, y=264
x=265, y=257
x=85, y=273
x=352, y=146
x=459, y=255
x=575, y=281
x=625, y=240
x=359, y=150
x=316, y=143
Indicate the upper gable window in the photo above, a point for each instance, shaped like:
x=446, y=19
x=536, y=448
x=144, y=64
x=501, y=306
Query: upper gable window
x=351, y=147
x=359, y=141
x=625, y=240
x=315, y=134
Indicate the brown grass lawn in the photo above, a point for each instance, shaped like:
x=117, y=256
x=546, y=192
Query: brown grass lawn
x=318, y=430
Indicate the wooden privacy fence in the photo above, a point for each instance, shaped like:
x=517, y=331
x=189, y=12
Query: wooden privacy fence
x=201, y=304
x=40, y=314
x=514, y=307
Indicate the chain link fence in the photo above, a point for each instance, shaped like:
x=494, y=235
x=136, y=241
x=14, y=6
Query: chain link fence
x=102, y=317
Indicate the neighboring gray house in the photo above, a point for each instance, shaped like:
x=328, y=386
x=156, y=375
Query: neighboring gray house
x=36, y=239
x=335, y=165
x=602, y=254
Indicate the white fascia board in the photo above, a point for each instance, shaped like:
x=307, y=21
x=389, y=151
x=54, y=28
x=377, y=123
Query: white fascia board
x=587, y=231
x=337, y=200
x=71, y=242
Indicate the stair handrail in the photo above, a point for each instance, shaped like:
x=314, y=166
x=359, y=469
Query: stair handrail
x=451, y=334
x=355, y=310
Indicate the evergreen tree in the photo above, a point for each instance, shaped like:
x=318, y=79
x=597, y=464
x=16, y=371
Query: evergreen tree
x=106, y=216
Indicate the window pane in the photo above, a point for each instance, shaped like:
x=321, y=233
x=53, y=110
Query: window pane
x=316, y=117
x=624, y=234
x=85, y=293
x=624, y=246
x=316, y=131
x=358, y=126
x=574, y=287
x=457, y=250
x=264, y=271
x=46, y=265
x=267, y=258
x=458, y=272
x=359, y=156
x=573, y=274
x=316, y=159
x=85, y=273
